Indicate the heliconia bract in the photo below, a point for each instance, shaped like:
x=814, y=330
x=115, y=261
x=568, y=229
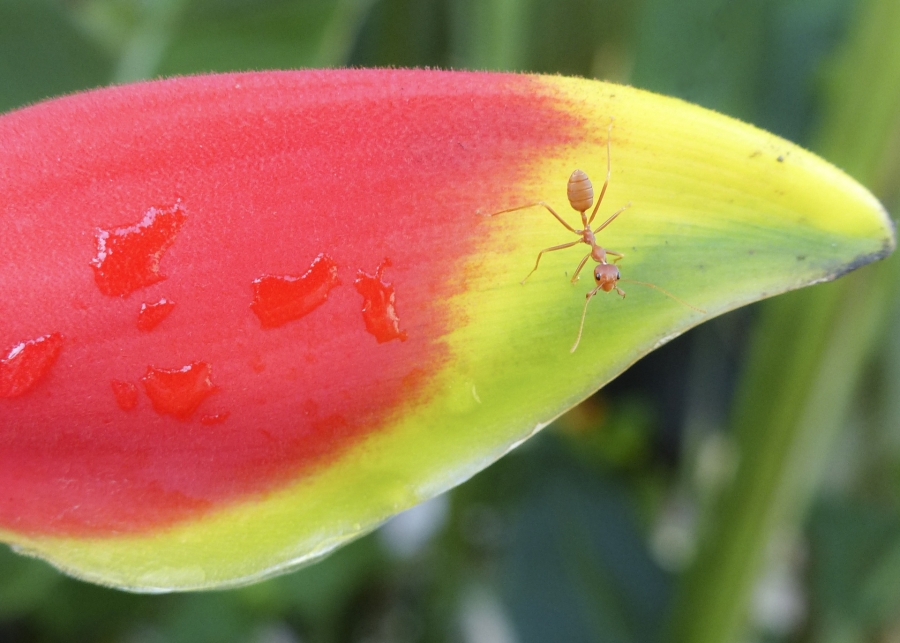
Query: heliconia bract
x=247, y=317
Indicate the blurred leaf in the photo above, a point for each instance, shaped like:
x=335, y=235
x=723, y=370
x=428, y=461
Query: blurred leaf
x=24, y=583
x=581, y=37
x=752, y=60
x=490, y=34
x=320, y=594
x=799, y=35
x=808, y=356
x=855, y=551
x=615, y=433
x=575, y=567
x=706, y=51
x=148, y=41
x=216, y=35
x=169, y=37
x=405, y=33
x=43, y=54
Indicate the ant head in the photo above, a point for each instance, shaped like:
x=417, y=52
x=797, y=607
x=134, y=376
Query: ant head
x=580, y=191
x=606, y=275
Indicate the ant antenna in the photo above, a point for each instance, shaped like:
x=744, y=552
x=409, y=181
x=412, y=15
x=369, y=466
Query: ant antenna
x=593, y=292
x=587, y=300
x=665, y=292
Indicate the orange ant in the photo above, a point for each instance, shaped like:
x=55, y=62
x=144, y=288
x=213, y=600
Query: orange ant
x=580, y=191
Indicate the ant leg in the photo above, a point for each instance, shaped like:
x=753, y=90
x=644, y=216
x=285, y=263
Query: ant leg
x=587, y=300
x=606, y=182
x=617, y=255
x=560, y=247
x=612, y=218
x=541, y=203
x=580, y=266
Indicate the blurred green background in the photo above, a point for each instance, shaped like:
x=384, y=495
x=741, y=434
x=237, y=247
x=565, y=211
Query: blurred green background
x=742, y=484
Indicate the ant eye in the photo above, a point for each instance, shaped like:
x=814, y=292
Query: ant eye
x=618, y=275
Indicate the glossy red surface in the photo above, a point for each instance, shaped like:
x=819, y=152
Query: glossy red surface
x=128, y=256
x=280, y=299
x=27, y=363
x=379, y=311
x=262, y=173
x=151, y=315
x=179, y=391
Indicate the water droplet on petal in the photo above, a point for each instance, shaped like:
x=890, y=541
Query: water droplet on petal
x=128, y=257
x=126, y=394
x=151, y=315
x=179, y=392
x=378, y=308
x=280, y=299
x=218, y=418
x=26, y=363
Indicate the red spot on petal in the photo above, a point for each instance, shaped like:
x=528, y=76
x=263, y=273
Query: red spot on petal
x=126, y=394
x=218, y=418
x=151, y=315
x=179, y=392
x=128, y=257
x=26, y=363
x=378, y=308
x=257, y=364
x=278, y=300
x=415, y=379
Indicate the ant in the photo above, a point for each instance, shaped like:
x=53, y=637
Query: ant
x=580, y=192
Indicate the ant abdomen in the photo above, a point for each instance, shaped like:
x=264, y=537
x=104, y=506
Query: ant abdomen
x=580, y=191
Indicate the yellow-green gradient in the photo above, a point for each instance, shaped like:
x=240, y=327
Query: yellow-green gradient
x=722, y=214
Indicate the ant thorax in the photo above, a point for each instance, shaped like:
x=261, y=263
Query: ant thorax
x=598, y=253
